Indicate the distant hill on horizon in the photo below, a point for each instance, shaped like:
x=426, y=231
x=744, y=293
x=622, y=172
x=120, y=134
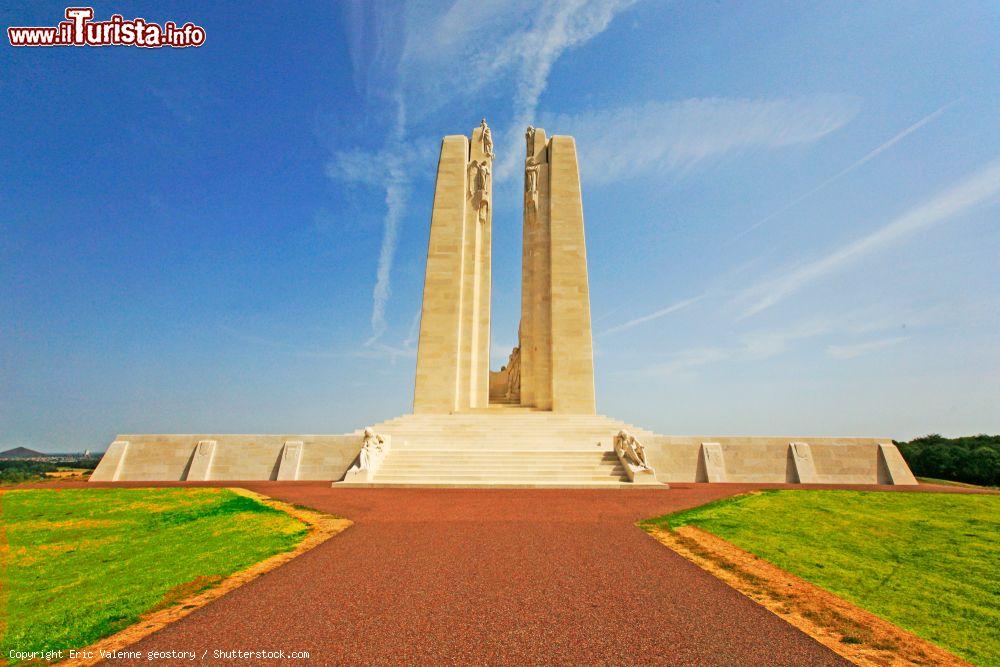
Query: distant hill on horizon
x=22, y=453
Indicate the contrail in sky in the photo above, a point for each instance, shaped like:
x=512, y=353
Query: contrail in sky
x=680, y=305
x=887, y=145
x=978, y=188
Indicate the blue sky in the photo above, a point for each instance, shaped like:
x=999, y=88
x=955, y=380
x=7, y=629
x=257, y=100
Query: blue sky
x=791, y=212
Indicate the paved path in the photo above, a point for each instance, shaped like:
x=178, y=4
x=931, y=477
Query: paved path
x=475, y=576
x=454, y=576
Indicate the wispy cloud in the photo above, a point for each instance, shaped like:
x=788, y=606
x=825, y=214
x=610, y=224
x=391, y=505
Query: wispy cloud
x=497, y=46
x=388, y=170
x=843, y=172
x=397, y=187
x=369, y=351
x=663, y=312
x=178, y=100
x=657, y=137
x=532, y=52
x=410, y=343
x=418, y=52
x=859, y=349
x=976, y=189
x=753, y=346
x=766, y=344
x=687, y=360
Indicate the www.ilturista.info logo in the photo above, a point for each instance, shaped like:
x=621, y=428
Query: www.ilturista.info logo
x=80, y=30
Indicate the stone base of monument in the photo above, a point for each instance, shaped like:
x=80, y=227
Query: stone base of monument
x=200, y=458
x=503, y=447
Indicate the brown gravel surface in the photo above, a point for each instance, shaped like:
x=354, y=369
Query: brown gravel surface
x=478, y=576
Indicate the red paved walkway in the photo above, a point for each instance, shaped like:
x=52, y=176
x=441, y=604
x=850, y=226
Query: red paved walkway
x=444, y=576
x=493, y=576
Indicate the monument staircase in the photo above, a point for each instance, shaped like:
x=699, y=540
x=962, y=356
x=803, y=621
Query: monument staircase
x=503, y=446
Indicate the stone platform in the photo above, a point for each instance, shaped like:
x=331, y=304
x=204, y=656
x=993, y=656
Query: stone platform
x=502, y=446
x=508, y=446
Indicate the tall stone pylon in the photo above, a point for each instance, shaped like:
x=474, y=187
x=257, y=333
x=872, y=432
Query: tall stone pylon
x=453, y=352
x=557, y=353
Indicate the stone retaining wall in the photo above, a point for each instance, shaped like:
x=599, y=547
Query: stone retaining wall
x=227, y=457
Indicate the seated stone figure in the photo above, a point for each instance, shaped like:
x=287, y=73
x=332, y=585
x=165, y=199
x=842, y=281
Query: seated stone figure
x=631, y=450
x=371, y=450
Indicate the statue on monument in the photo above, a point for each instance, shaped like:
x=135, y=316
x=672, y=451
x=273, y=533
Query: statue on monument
x=479, y=174
x=479, y=187
x=530, y=189
x=631, y=451
x=487, y=140
x=530, y=177
x=514, y=374
x=372, y=449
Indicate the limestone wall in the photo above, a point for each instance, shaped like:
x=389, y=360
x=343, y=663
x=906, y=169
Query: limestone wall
x=227, y=457
x=775, y=459
x=438, y=376
x=498, y=385
x=846, y=463
x=154, y=458
x=536, y=278
x=557, y=357
x=572, y=345
x=329, y=458
x=453, y=349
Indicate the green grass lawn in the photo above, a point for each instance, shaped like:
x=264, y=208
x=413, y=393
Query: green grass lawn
x=928, y=562
x=80, y=564
x=948, y=482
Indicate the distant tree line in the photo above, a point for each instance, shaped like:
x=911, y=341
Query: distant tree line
x=973, y=459
x=13, y=471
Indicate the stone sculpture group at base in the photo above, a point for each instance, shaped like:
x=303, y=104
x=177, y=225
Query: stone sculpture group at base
x=632, y=455
x=374, y=449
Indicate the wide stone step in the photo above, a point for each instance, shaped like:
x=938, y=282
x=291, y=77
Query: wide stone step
x=493, y=436
x=510, y=425
x=496, y=484
x=546, y=470
x=391, y=461
x=438, y=455
x=407, y=457
x=594, y=452
x=471, y=477
x=537, y=419
x=503, y=446
x=497, y=434
x=511, y=421
x=447, y=431
x=498, y=474
x=505, y=427
x=500, y=454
